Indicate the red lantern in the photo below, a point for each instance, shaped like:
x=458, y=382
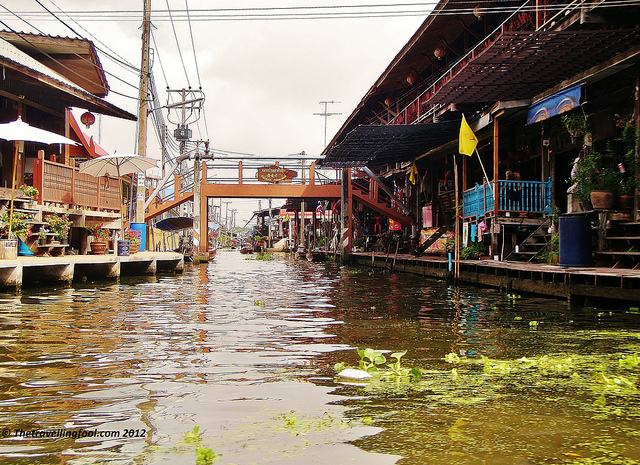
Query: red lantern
x=439, y=53
x=87, y=119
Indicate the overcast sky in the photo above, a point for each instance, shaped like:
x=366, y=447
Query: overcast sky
x=262, y=79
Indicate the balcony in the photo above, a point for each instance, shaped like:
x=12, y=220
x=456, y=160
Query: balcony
x=519, y=197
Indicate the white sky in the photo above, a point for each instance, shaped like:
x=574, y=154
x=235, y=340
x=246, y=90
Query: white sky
x=262, y=79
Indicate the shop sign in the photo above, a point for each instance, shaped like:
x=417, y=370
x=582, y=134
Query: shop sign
x=275, y=174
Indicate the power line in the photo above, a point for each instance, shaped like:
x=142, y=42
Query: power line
x=318, y=12
x=23, y=37
x=178, y=44
x=112, y=56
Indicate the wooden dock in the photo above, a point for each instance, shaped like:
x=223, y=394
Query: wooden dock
x=535, y=278
x=65, y=269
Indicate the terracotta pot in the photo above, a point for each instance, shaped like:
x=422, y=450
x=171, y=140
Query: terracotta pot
x=602, y=200
x=624, y=202
x=98, y=247
x=133, y=248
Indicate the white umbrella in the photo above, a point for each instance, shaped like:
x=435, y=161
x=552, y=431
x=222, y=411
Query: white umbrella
x=117, y=164
x=20, y=131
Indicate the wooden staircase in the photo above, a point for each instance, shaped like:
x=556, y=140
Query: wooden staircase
x=620, y=246
x=362, y=196
x=532, y=246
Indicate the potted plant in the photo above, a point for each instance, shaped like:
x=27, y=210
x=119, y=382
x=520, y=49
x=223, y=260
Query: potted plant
x=30, y=191
x=597, y=178
x=134, y=239
x=100, y=235
x=59, y=225
x=576, y=125
x=627, y=162
x=20, y=231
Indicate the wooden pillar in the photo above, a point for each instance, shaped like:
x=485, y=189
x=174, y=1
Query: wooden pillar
x=346, y=219
x=240, y=172
x=301, y=240
x=636, y=205
x=495, y=224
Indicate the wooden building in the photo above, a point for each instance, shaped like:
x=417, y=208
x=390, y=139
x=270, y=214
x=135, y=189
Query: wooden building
x=43, y=77
x=519, y=72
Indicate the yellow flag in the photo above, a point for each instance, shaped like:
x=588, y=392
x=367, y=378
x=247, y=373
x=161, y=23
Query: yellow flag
x=467, y=139
x=413, y=174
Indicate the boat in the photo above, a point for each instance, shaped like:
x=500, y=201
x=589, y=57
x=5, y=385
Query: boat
x=246, y=248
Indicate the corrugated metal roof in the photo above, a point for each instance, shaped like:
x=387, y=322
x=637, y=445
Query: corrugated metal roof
x=381, y=145
x=12, y=57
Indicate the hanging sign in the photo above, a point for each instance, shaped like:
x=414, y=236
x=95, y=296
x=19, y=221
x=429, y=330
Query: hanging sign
x=275, y=174
x=394, y=225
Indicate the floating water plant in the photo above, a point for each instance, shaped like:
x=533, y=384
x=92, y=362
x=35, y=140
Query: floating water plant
x=370, y=367
x=205, y=456
x=369, y=359
x=194, y=436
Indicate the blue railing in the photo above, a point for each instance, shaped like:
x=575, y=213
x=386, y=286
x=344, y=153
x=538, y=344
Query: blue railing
x=513, y=196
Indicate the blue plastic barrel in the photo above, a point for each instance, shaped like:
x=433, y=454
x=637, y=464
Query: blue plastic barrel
x=575, y=240
x=141, y=228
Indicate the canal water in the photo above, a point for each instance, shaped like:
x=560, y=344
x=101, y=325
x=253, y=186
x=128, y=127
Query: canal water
x=236, y=360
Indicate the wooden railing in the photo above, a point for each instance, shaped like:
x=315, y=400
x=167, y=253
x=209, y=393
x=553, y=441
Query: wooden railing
x=513, y=196
x=64, y=185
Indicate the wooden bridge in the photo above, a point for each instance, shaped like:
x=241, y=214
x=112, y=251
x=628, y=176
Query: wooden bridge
x=363, y=189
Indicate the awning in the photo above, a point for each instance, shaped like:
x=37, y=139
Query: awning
x=175, y=223
x=521, y=64
x=379, y=145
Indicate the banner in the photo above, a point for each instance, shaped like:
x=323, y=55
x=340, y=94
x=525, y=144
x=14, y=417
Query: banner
x=558, y=103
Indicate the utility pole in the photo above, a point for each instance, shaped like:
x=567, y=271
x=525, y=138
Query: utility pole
x=326, y=114
x=142, y=117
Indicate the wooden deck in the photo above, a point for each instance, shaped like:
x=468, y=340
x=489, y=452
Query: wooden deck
x=28, y=271
x=554, y=281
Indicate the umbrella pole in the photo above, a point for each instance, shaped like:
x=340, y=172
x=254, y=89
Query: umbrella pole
x=120, y=201
x=13, y=185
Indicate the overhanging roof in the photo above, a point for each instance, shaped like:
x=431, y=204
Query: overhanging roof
x=68, y=92
x=75, y=59
x=380, y=145
x=521, y=64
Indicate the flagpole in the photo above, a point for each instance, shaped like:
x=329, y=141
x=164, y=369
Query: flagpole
x=485, y=174
x=457, y=226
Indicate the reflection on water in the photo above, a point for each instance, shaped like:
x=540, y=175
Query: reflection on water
x=244, y=349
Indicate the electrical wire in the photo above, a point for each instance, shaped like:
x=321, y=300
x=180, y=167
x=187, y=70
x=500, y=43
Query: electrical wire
x=178, y=45
x=23, y=37
x=323, y=12
x=112, y=55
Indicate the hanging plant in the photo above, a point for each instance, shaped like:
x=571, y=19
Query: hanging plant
x=575, y=123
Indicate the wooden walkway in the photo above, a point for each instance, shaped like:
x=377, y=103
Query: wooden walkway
x=32, y=271
x=541, y=279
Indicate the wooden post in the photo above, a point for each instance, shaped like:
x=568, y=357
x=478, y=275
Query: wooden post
x=346, y=219
x=457, y=225
x=496, y=190
x=636, y=205
x=240, y=172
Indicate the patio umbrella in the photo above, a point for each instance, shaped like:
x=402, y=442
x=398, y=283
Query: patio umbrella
x=18, y=131
x=117, y=164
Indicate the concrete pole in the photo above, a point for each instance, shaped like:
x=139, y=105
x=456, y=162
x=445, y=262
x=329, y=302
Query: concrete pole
x=143, y=96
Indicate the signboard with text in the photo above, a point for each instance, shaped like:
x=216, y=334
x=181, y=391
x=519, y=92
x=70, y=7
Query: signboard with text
x=275, y=174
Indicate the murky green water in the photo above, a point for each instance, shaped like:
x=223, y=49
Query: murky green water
x=245, y=350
